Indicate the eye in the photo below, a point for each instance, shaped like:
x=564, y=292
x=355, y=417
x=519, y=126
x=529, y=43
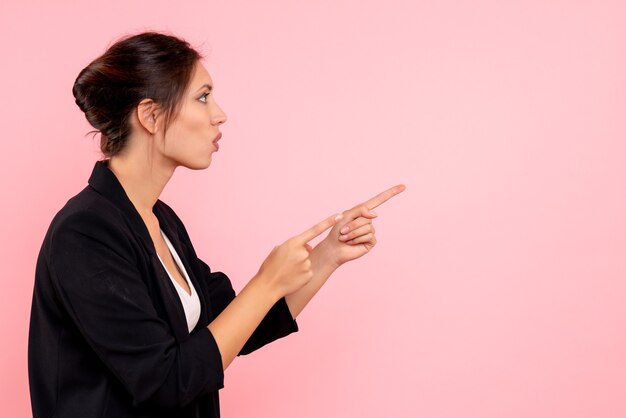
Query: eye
x=203, y=97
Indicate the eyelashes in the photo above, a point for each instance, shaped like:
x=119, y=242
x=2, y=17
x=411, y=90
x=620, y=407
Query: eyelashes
x=204, y=96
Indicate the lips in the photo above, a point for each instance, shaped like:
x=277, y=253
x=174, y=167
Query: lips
x=217, y=138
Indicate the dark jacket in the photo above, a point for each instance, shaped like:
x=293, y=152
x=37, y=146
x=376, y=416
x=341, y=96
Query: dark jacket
x=108, y=335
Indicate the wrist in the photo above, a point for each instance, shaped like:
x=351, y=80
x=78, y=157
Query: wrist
x=263, y=287
x=324, y=256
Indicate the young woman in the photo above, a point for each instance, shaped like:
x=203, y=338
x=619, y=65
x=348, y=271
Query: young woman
x=126, y=320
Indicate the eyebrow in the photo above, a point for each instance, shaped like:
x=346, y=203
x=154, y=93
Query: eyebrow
x=208, y=86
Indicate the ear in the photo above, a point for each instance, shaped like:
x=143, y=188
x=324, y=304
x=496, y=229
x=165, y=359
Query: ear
x=148, y=113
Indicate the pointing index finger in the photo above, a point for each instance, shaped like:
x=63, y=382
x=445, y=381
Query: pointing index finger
x=316, y=230
x=381, y=198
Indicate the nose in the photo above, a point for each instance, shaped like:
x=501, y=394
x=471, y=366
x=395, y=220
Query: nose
x=217, y=115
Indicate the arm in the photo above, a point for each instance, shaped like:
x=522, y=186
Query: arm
x=277, y=322
x=236, y=323
x=348, y=240
x=284, y=271
x=323, y=268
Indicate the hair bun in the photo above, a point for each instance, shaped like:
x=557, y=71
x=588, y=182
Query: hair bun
x=88, y=91
x=82, y=91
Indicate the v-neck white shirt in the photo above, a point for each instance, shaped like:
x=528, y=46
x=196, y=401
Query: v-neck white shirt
x=190, y=302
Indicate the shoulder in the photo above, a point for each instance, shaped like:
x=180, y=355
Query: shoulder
x=86, y=205
x=87, y=218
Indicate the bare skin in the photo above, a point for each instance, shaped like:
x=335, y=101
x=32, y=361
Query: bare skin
x=292, y=270
x=352, y=237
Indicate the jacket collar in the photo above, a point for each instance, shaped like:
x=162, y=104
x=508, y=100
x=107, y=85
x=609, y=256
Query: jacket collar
x=104, y=181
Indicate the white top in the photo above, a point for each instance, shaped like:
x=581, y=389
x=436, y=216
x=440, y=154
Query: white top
x=191, y=303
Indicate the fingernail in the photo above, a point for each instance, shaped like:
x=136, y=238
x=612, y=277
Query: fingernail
x=344, y=230
x=338, y=217
x=342, y=237
x=373, y=213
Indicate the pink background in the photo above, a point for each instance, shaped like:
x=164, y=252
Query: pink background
x=498, y=287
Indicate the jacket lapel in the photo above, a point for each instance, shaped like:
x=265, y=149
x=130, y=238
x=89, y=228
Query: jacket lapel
x=104, y=181
x=187, y=258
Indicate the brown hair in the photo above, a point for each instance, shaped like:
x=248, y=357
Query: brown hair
x=146, y=65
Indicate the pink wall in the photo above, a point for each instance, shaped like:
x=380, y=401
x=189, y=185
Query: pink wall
x=498, y=288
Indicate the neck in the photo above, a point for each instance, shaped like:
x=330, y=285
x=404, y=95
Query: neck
x=143, y=180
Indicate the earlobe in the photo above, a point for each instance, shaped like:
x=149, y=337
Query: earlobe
x=147, y=113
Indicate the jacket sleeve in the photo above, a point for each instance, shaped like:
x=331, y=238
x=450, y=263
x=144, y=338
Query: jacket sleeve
x=94, y=272
x=277, y=323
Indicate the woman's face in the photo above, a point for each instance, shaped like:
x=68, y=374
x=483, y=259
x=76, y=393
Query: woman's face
x=191, y=137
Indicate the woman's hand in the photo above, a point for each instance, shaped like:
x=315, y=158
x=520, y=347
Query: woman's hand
x=287, y=268
x=354, y=235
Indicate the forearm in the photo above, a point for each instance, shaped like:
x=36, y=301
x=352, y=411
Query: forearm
x=236, y=323
x=322, y=270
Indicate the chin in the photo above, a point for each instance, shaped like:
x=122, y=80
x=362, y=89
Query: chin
x=200, y=165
